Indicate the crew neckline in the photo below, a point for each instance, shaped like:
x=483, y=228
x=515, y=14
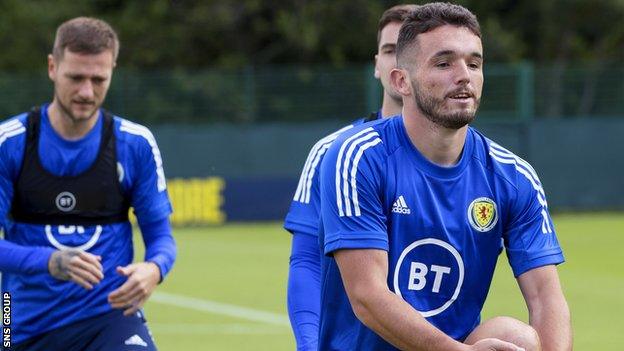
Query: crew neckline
x=47, y=126
x=429, y=167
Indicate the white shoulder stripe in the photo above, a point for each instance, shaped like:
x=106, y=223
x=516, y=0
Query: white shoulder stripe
x=347, y=163
x=10, y=129
x=339, y=163
x=521, y=170
x=356, y=160
x=11, y=124
x=506, y=153
x=314, y=157
x=503, y=156
x=523, y=166
x=137, y=129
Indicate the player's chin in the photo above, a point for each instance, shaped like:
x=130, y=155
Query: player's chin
x=83, y=114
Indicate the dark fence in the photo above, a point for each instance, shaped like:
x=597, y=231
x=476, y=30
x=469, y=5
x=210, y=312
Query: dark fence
x=251, y=173
x=313, y=93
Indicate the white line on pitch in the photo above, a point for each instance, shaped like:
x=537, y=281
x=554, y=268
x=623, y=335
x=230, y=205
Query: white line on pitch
x=202, y=329
x=193, y=303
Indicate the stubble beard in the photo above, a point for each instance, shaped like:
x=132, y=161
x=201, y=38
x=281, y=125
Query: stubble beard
x=431, y=107
x=66, y=111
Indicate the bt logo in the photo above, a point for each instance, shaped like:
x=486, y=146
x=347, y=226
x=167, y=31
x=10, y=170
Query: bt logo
x=429, y=275
x=418, y=274
x=65, y=201
x=75, y=237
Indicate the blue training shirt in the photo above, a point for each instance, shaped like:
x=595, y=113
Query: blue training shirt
x=40, y=302
x=442, y=227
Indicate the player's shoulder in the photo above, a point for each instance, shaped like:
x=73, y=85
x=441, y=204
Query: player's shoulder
x=133, y=133
x=13, y=129
x=376, y=136
x=328, y=139
x=504, y=163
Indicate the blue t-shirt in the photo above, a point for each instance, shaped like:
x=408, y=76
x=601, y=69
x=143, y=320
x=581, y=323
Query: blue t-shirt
x=303, y=215
x=441, y=226
x=39, y=301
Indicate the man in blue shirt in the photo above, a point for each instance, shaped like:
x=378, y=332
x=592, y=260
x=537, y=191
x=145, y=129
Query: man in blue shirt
x=69, y=172
x=302, y=219
x=415, y=209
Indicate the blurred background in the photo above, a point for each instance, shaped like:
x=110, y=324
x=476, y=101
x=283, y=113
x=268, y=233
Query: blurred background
x=237, y=91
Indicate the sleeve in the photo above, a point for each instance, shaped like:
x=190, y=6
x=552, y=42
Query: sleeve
x=15, y=258
x=304, y=290
x=529, y=237
x=303, y=215
x=24, y=259
x=351, y=193
x=149, y=191
x=160, y=247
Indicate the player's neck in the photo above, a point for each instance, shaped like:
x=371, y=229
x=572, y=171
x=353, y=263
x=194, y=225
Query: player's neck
x=390, y=106
x=442, y=146
x=67, y=127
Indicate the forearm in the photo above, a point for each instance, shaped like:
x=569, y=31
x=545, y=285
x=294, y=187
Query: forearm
x=23, y=259
x=399, y=323
x=304, y=290
x=549, y=314
x=160, y=247
x=551, y=320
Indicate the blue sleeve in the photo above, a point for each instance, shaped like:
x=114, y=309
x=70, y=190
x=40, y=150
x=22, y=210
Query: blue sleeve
x=16, y=258
x=351, y=193
x=529, y=237
x=303, y=215
x=160, y=246
x=149, y=189
x=24, y=259
x=304, y=290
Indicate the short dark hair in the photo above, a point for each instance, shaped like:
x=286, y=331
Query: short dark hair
x=85, y=35
x=396, y=13
x=431, y=16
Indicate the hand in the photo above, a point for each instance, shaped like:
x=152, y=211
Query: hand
x=492, y=344
x=81, y=267
x=142, y=279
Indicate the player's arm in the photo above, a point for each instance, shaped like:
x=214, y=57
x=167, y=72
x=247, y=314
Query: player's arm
x=143, y=277
x=23, y=259
x=148, y=196
x=548, y=310
x=304, y=290
x=364, y=274
x=304, y=270
x=80, y=267
x=533, y=252
x=16, y=258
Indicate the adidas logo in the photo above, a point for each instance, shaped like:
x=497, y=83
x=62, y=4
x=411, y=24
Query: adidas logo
x=135, y=340
x=400, y=206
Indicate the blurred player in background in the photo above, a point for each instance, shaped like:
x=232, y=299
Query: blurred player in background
x=414, y=209
x=303, y=218
x=69, y=172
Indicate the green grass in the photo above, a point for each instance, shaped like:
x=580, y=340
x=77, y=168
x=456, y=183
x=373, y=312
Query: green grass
x=246, y=265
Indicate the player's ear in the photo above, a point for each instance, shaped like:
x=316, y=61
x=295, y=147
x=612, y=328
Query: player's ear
x=377, y=73
x=400, y=81
x=52, y=67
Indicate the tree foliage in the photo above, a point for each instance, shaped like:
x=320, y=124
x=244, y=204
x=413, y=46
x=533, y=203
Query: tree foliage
x=236, y=33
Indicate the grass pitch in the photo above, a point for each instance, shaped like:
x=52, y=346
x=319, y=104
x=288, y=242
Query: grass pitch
x=228, y=288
